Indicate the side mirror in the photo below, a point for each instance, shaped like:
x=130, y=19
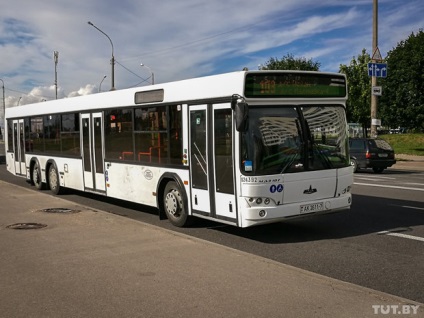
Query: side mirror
x=241, y=112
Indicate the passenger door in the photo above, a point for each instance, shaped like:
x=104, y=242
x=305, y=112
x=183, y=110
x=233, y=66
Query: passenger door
x=211, y=162
x=92, y=151
x=19, y=146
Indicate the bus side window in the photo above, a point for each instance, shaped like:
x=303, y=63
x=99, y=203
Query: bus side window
x=118, y=133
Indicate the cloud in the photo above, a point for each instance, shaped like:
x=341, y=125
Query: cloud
x=181, y=39
x=87, y=90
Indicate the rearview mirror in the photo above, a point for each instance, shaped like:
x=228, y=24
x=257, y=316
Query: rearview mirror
x=241, y=112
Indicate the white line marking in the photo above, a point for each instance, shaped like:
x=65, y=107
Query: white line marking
x=388, y=186
x=411, y=237
x=412, y=183
x=412, y=207
x=380, y=177
x=370, y=179
x=374, y=178
x=408, y=207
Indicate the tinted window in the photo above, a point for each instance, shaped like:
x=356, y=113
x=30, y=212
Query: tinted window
x=357, y=144
x=52, y=133
x=9, y=135
x=223, y=151
x=70, y=136
x=379, y=144
x=175, y=134
x=118, y=134
x=151, y=138
x=36, y=134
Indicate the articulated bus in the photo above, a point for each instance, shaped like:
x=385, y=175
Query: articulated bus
x=242, y=148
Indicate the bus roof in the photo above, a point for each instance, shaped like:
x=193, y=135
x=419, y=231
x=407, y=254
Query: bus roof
x=201, y=88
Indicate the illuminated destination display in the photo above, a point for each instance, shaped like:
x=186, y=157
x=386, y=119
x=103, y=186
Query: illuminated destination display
x=271, y=84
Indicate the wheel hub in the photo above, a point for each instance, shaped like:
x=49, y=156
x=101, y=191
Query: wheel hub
x=53, y=179
x=172, y=203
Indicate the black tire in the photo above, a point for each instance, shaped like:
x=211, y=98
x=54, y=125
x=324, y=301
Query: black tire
x=354, y=164
x=174, y=206
x=36, y=177
x=53, y=179
x=378, y=169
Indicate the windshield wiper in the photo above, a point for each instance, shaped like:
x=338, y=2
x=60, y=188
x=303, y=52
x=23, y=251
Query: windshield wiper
x=295, y=156
x=314, y=149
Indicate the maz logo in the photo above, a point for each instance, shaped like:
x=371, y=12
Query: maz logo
x=310, y=190
x=148, y=174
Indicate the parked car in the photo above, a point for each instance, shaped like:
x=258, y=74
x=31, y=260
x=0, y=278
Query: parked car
x=376, y=154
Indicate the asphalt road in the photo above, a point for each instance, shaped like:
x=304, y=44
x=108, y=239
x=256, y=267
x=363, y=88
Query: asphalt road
x=379, y=244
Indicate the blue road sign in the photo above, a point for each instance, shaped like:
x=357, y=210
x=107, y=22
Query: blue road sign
x=377, y=69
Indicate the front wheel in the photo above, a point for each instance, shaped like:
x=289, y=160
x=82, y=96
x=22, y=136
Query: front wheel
x=173, y=203
x=54, y=183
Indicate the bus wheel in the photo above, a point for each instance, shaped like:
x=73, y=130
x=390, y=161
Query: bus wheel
x=173, y=203
x=36, y=176
x=54, y=184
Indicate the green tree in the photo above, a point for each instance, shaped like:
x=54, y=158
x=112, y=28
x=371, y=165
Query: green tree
x=359, y=88
x=289, y=62
x=402, y=102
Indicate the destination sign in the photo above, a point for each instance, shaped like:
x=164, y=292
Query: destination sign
x=273, y=84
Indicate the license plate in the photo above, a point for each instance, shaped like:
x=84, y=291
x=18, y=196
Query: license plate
x=314, y=207
x=383, y=155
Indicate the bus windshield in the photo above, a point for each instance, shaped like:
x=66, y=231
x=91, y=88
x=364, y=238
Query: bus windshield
x=294, y=139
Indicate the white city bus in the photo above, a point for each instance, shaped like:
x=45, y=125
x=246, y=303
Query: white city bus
x=243, y=148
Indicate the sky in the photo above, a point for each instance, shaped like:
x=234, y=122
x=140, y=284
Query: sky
x=180, y=39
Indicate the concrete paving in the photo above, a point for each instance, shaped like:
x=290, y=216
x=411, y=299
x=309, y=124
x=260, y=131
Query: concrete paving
x=90, y=263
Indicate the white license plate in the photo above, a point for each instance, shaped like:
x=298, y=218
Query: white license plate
x=314, y=207
x=383, y=155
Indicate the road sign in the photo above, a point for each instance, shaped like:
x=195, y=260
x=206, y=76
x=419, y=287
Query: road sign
x=376, y=56
x=377, y=90
x=377, y=69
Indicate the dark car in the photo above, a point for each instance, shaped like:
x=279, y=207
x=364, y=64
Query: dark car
x=376, y=154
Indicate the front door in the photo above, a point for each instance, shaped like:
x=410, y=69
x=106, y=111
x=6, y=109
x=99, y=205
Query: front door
x=92, y=151
x=19, y=146
x=211, y=158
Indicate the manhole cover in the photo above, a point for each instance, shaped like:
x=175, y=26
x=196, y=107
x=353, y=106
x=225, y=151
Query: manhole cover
x=60, y=210
x=26, y=226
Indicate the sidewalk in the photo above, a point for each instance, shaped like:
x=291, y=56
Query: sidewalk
x=96, y=264
x=408, y=162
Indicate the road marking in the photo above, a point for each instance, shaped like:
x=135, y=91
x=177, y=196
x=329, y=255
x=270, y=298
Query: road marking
x=412, y=183
x=370, y=179
x=381, y=177
x=410, y=237
x=374, y=178
x=409, y=207
x=388, y=186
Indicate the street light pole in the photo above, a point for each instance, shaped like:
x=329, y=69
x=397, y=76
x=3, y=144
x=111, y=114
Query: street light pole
x=100, y=86
x=56, y=60
x=374, y=99
x=3, y=113
x=112, y=61
x=153, y=75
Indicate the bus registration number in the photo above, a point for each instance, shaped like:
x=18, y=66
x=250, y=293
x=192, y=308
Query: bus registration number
x=314, y=207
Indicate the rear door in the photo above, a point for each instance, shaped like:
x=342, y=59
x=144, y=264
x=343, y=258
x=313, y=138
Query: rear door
x=19, y=146
x=92, y=151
